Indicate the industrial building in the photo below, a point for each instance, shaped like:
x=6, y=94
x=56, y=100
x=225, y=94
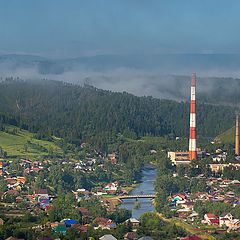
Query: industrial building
x=181, y=157
x=186, y=157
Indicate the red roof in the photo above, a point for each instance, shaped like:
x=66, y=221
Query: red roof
x=10, y=180
x=36, y=169
x=214, y=221
x=179, y=195
x=80, y=228
x=103, y=221
x=12, y=192
x=210, y=215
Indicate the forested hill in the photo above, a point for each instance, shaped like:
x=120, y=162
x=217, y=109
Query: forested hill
x=78, y=113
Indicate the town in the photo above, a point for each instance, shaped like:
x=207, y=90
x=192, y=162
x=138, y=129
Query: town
x=78, y=191
x=27, y=193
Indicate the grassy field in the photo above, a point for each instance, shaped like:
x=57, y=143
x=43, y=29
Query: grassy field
x=190, y=229
x=23, y=143
x=227, y=136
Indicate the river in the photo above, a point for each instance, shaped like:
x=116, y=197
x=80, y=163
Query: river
x=145, y=187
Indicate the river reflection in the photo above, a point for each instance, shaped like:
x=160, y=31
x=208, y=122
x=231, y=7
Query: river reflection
x=145, y=187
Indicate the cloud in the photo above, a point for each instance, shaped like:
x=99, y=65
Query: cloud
x=164, y=81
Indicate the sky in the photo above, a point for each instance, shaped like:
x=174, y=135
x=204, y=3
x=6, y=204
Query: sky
x=73, y=28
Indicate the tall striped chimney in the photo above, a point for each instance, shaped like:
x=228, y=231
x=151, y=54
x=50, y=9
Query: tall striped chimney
x=237, y=137
x=193, y=135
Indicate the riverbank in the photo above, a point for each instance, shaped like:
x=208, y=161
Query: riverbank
x=145, y=187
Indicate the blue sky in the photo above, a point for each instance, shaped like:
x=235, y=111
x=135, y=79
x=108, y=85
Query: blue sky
x=71, y=28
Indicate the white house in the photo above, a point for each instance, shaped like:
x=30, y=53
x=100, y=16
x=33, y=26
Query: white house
x=225, y=219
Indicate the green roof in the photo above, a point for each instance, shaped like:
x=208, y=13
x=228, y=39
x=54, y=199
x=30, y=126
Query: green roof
x=60, y=229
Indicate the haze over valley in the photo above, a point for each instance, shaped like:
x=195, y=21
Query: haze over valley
x=165, y=76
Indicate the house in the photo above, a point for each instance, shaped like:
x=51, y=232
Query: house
x=188, y=205
x=112, y=158
x=11, y=192
x=183, y=213
x=16, y=186
x=178, y=198
x=208, y=216
x=134, y=222
x=104, y=223
x=107, y=237
x=60, y=229
x=210, y=219
x=219, y=156
x=41, y=194
x=80, y=228
x=35, y=169
x=153, y=151
x=130, y=236
x=21, y=179
x=215, y=167
x=19, y=199
x=202, y=196
x=111, y=187
x=225, y=219
x=192, y=216
x=54, y=224
x=11, y=180
x=234, y=224
x=70, y=222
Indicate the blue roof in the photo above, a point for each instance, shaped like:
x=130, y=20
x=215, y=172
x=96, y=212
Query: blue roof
x=70, y=221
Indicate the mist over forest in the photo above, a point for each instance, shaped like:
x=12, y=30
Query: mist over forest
x=165, y=76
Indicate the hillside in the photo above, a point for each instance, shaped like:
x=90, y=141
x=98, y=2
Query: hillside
x=21, y=143
x=227, y=136
x=75, y=113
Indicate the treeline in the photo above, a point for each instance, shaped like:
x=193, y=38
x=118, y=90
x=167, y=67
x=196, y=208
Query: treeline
x=86, y=113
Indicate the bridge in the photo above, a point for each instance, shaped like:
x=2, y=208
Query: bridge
x=136, y=196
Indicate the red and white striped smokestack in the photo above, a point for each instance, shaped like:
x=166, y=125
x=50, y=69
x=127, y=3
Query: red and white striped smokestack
x=193, y=133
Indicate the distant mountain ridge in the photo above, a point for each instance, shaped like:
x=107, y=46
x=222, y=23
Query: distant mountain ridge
x=166, y=63
x=165, y=76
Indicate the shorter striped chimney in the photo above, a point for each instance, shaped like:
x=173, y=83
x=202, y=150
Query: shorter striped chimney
x=237, y=137
x=193, y=133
